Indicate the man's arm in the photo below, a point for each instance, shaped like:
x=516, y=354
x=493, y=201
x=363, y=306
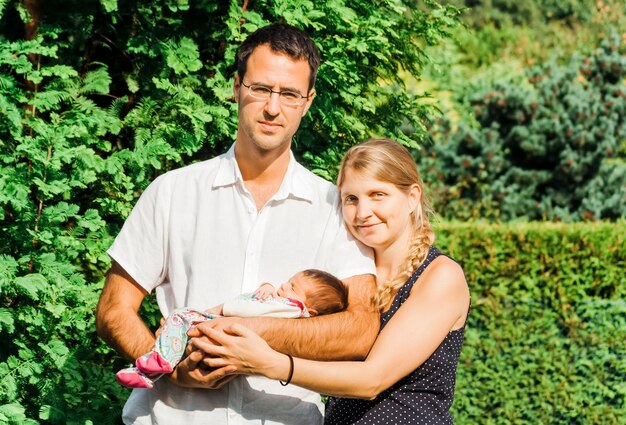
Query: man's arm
x=117, y=319
x=347, y=335
x=119, y=325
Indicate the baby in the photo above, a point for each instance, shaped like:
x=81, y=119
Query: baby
x=308, y=293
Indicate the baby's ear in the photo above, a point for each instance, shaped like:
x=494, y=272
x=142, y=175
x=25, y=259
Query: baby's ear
x=312, y=312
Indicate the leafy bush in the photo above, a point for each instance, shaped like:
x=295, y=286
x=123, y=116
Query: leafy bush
x=552, y=147
x=545, y=336
x=529, y=12
x=96, y=99
x=490, y=49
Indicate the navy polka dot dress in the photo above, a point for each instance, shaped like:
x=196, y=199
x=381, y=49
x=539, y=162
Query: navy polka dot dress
x=423, y=397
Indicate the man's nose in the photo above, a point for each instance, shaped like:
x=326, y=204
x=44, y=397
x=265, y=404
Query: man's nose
x=272, y=105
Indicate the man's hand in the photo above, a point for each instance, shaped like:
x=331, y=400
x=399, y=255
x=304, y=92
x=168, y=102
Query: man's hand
x=191, y=373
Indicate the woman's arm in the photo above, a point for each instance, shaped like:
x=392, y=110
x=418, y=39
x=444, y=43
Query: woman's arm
x=438, y=304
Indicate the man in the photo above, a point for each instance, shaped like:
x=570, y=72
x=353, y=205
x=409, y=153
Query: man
x=210, y=231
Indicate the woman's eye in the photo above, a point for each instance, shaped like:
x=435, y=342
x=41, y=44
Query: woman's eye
x=349, y=199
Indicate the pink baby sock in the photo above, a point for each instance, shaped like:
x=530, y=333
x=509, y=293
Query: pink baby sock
x=153, y=362
x=131, y=377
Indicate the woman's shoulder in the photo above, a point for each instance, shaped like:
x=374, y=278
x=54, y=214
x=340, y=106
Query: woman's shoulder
x=443, y=277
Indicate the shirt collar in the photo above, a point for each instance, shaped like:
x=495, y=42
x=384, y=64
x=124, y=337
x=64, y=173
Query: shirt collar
x=295, y=183
x=228, y=172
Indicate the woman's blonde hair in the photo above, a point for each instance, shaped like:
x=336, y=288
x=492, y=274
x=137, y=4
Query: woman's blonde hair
x=389, y=161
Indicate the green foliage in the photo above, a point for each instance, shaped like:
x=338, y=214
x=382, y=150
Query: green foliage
x=98, y=97
x=545, y=336
x=54, y=236
x=499, y=43
x=552, y=147
x=507, y=12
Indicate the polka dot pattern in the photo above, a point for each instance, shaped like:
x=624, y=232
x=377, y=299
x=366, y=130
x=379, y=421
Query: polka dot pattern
x=423, y=397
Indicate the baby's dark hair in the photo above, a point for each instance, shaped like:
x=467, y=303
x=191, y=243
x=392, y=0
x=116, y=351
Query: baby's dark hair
x=331, y=295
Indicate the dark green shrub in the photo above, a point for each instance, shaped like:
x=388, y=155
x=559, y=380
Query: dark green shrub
x=550, y=147
x=545, y=336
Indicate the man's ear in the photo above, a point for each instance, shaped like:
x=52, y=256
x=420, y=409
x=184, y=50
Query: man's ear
x=236, y=86
x=309, y=102
x=312, y=312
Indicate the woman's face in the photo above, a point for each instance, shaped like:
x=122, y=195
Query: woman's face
x=376, y=212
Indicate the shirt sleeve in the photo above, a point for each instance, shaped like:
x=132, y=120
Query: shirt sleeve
x=346, y=256
x=141, y=246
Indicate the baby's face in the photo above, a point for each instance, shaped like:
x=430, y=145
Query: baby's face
x=296, y=288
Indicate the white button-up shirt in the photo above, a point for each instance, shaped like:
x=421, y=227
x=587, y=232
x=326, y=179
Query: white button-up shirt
x=196, y=238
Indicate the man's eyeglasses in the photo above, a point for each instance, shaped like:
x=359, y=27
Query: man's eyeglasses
x=286, y=97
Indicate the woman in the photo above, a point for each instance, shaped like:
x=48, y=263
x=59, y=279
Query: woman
x=409, y=374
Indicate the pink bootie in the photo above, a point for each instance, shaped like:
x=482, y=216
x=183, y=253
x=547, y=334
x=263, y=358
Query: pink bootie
x=153, y=363
x=132, y=377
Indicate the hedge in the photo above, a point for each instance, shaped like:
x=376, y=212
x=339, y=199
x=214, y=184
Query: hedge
x=544, y=341
x=545, y=337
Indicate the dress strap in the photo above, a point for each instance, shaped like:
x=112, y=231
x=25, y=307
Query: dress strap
x=405, y=290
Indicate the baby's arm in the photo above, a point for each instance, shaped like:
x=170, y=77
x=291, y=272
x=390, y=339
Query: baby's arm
x=266, y=290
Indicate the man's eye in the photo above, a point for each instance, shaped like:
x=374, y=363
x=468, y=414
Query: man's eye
x=260, y=90
x=289, y=95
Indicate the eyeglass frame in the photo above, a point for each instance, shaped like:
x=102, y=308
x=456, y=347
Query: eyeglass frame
x=300, y=101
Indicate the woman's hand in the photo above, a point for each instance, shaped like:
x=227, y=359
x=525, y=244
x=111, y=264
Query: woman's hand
x=240, y=347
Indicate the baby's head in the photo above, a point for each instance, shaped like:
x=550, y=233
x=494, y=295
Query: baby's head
x=319, y=291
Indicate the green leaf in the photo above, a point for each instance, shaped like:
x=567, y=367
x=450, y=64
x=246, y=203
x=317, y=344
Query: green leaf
x=13, y=412
x=108, y=6
x=31, y=284
x=3, y=4
x=7, y=322
x=61, y=71
x=96, y=81
x=8, y=269
x=131, y=82
x=7, y=382
x=183, y=56
x=57, y=350
x=91, y=220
